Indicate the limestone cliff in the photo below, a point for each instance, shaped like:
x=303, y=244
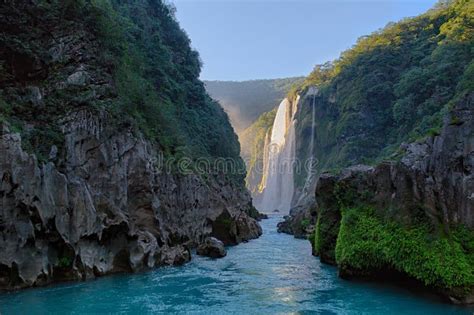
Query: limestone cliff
x=415, y=215
x=97, y=99
x=108, y=208
x=392, y=87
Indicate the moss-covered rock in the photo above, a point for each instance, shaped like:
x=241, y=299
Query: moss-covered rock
x=412, y=218
x=368, y=244
x=329, y=217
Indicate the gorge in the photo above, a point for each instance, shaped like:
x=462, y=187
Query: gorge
x=393, y=155
x=117, y=159
x=273, y=274
x=90, y=133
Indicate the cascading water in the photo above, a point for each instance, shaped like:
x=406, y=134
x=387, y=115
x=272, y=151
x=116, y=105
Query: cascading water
x=311, y=161
x=266, y=150
x=278, y=182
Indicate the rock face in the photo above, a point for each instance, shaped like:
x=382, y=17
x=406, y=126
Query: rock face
x=211, y=247
x=302, y=217
x=300, y=221
x=432, y=184
x=436, y=174
x=96, y=197
x=329, y=214
x=106, y=207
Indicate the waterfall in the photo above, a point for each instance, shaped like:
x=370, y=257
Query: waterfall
x=266, y=150
x=278, y=182
x=309, y=183
x=314, y=91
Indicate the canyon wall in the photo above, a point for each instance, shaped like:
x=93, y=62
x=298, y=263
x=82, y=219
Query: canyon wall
x=108, y=208
x=101, y=114
x=393, y=87
x=413, y=217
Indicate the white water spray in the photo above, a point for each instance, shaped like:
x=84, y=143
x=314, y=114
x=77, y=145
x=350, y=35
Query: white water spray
x=278, y=182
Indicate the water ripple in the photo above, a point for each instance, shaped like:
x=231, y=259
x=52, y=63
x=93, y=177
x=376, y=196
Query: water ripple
x=275, y=274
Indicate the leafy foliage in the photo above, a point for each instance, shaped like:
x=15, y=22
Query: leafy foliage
x=64, y=262
x=325, y=236
x=137, y=48
x=305, y=224
x=393, y=86
x=368, y=243
x=157, y=79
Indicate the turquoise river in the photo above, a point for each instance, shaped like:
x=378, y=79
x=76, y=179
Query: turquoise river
x=275, y=274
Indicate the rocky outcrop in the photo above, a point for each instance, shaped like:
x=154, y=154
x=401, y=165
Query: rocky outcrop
x=107, y=206
x=301, y=218
x=434, y=177
x=211, y=247
x=84, y=188
x=329, y=206
x=432, y=186
x=300, y=222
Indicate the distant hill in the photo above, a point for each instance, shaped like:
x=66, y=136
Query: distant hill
x=245, y=101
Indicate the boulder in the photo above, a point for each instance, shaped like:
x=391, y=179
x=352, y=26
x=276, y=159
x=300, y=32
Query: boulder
x=79, y=78
x=175, y=256
x=211, y=247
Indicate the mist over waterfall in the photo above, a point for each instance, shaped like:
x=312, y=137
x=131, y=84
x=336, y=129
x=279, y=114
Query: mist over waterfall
x=279, y=155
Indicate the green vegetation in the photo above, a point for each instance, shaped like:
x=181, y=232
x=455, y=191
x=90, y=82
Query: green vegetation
x=157, y=80
x=393, y=86
x=304, y=223
x=367, y=239
x=64, y=262
x=367, y=243
x=325, y=236
x=138, y=47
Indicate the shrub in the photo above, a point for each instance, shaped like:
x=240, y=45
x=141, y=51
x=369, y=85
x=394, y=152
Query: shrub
x=367, y=243
x=64, y=262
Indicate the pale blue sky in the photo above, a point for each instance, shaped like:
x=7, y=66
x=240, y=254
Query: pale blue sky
x=259, y=39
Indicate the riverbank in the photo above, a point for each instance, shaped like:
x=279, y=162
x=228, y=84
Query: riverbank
x=273, y=274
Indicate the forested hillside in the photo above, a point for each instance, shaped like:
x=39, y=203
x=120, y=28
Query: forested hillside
x=393, y=86
x=401, y=101
x=246, y=100
x=153, y=82
x=102, y=121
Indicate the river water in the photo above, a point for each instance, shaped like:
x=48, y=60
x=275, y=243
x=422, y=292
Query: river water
x=275, y=274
